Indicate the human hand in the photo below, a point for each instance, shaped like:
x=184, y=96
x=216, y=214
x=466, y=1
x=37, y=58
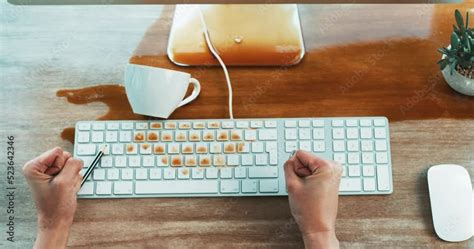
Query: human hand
x=313, y=185
x=54, y=181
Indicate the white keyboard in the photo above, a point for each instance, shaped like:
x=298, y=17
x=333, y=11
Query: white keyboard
x=241, y=157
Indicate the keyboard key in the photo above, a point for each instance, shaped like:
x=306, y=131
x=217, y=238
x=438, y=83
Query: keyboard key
x=290, y=146
x=249, y=186
x=263, y=172
x=127, y=126
x=305, y=145
x=159, y=148
x=369, y=184
x=236, y=135
x=380, y=145
x=242, y=124
x=240, y=172
x=303, y=134
x=379, y=122
x=270, y=124
x=230, y=186
x=181, y=136
x=183, y=173
x=123, y=188
x=318, y=133
x=351, y=122
x=145, y=149
x=204, y=161
x=199, y=125
x=138, y=136
x=338, y=133
x=213, y=124
x=131, y=149
x=367, y=145
x=380, y=133
x=134, y=161
x=256, y=124
x=141, y=125
x=353, y=158
x=104, y=188
x=211, y=173
x=257, y=147
x=365, y=122
x=215, y=148
x=194, y=136
x=197, y=173
x=87, y=189
x=141, y=174
x=120, y=161
x=247, y=160
x=127, y=174
x=169, y=173
x=228, y=124
x=111, y=136
x=381, y=157
x=187, y=148
x=338, y=122
x=176, y=161
x=232, y=160
x=83, y=137
x=243, y=147
x=208, y=136
x=352, y=133
x=318, y=123
x=261, y=159
x=201, y=148
x=226, y=173
x=353, y=145
x=173, y=148
x=190, y=161
x=304, y=123
x=176, y=187
x=383, y=178
x=86, y=149
x=219, y=160
x=113, y=174
x=350, y=185
x=223, y=135
x=97, y=137
x=125, y=136
x=166, y=136
x=250, y=135
x=265, y=135
x=84, y=126
x=290, y=123
x=162, y=161
x=98, y=126
x=290, y=134
x=338, y=145
x=156, y=125
x=368, y=170
x=98, y=174
x=269, y=186
x=366, y=133
x=184, y=125
x=340, y=157
x=155, y=174
x=105, y=162
x=367, y=157
x=354, y=170
x=170, y=125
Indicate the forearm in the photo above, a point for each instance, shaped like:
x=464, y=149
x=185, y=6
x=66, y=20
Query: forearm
x=52, y=236
x=321, y=240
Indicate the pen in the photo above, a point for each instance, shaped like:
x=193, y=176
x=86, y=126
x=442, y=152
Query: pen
x=93, y=164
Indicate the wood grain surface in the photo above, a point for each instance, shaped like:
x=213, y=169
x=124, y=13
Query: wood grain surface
x=361, y=60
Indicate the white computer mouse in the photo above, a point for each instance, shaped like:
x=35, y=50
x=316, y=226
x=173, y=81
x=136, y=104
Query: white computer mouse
x=451, y=202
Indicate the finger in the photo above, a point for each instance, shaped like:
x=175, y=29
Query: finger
x=43, y=161
x=301, y=170
x=78, y=183
x=71, y=169
x=58, y=164
x=310, y=161
x=291, y=178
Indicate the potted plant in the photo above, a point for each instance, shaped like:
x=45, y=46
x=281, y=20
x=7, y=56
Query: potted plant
x=457, y=62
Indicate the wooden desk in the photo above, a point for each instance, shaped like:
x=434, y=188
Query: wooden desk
x=361, y=60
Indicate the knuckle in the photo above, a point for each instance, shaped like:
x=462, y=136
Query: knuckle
x=291, y=187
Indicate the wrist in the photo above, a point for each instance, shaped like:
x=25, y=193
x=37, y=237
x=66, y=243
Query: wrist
x=325, y=239
x=52, y=233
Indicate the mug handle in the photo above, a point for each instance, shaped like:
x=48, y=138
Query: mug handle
x=194, y=94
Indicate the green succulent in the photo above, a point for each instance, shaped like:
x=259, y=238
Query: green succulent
x=461, y=51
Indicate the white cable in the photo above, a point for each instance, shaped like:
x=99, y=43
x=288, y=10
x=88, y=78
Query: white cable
x=214, y=52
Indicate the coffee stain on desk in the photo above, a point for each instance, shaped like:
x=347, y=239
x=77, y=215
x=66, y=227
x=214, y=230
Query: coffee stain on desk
x=113, y=95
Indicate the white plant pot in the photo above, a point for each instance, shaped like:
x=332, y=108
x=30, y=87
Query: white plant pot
x=458, y=82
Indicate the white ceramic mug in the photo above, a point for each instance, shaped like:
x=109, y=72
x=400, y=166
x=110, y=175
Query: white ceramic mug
x=157, y=92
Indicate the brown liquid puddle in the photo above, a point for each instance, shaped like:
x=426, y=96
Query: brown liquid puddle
x=113, y=96
x=395, y=77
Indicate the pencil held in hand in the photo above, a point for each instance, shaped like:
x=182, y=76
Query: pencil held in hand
x=93, y=164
